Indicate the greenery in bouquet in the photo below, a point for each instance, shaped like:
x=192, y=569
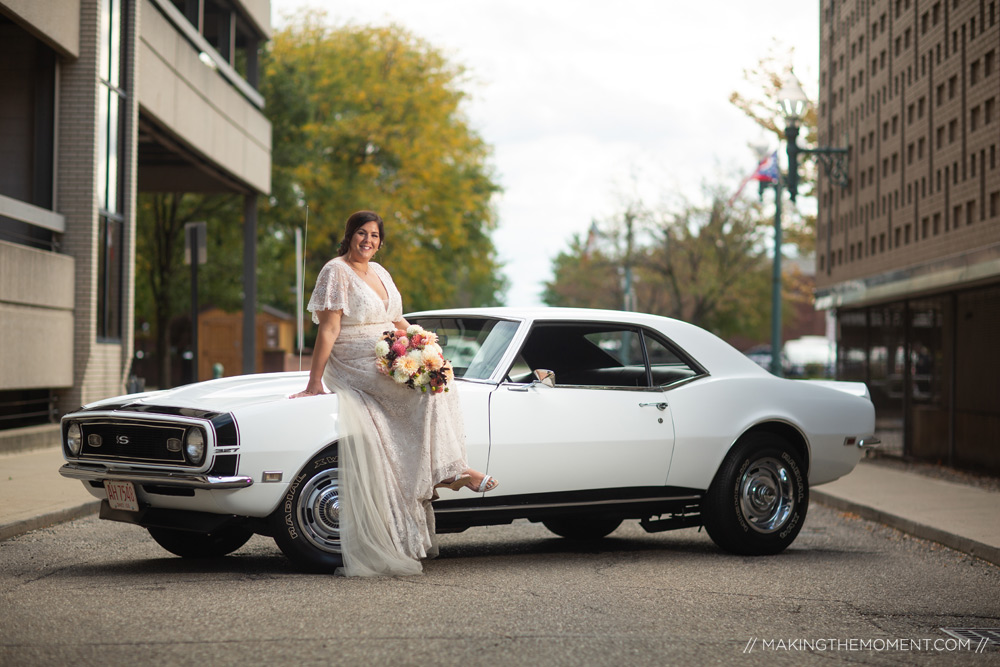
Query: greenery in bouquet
x=414, y=359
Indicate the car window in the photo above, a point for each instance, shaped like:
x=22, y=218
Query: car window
x=666, y=366
x=589, y=355
x=474, y=345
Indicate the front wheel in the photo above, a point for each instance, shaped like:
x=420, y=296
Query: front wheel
x=306, y=526
x=187, y=544
x=758, y=500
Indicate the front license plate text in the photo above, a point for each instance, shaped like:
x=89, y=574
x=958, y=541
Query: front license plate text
x=121, y=496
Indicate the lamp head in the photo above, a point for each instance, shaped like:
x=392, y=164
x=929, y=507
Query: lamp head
x=793, y=100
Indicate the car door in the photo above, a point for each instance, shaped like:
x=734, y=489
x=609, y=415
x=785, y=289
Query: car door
x=601, y=426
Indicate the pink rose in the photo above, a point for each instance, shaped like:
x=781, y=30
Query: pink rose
x=400, y=334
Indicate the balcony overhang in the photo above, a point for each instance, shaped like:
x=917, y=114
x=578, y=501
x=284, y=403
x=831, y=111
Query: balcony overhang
x=960, y=271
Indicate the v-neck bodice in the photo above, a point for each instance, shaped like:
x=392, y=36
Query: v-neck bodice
x=339, y=287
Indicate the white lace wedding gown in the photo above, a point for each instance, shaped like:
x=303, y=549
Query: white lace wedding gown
x=403, y=441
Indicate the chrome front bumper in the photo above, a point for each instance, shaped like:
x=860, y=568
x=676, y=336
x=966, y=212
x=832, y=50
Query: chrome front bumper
x=185, y=480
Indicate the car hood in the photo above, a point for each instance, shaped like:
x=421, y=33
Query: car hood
x=222, y=395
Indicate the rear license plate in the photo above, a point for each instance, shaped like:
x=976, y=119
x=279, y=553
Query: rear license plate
x=121, y=496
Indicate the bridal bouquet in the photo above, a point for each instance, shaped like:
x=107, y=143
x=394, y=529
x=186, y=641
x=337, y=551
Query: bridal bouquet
x=414, y=359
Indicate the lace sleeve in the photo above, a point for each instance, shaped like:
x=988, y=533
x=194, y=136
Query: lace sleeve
x=331, y=291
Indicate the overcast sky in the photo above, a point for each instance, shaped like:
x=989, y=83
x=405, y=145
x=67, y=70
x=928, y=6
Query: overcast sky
x=588, y=103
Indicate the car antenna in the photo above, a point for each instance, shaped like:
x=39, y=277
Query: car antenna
x=301, y=286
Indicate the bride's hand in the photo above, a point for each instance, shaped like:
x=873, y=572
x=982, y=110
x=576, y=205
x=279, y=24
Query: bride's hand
x=304, y=393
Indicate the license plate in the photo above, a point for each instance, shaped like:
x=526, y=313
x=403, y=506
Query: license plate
x=121, y=496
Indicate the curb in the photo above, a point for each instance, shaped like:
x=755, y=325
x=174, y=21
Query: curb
x=986, y=552
x=13, y=529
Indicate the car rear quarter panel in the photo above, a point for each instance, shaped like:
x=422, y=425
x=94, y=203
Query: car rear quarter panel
x=710, y=416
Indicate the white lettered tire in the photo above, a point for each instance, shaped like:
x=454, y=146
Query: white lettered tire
x=306, y=526
x=758, y=500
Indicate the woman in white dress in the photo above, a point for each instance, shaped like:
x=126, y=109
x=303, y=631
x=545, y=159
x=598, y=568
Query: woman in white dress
x=403, y=442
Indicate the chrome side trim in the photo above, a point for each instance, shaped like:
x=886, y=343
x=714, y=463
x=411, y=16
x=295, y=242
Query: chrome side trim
x=581, y=503
x=179, y=479
x=869, y=442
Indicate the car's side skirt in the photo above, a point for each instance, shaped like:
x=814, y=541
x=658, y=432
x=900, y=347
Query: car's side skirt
x=681, y=505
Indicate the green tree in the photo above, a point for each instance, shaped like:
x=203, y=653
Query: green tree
x=702, y=264
x=163, y=288
x=371, y=118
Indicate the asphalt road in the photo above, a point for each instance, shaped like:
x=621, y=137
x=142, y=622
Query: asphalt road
x=100, y=593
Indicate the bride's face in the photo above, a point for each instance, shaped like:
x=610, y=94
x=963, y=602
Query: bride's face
x=365, y=241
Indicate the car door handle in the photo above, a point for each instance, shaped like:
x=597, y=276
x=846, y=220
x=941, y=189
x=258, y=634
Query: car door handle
x=660, y=405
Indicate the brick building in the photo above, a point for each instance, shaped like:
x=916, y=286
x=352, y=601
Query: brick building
x=101, y=99
x=909, y=252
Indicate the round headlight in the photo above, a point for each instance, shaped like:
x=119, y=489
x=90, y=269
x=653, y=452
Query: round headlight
x=194, y=446
x=74, y=438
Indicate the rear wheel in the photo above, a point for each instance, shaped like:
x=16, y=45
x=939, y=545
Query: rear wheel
x=306, y=526
x=187, y=544
x=582, y=528
x=758, y=500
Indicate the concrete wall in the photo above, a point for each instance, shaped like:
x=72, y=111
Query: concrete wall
x=260, y=13
x=199, y=106
x=36, y=318
x=59, y=29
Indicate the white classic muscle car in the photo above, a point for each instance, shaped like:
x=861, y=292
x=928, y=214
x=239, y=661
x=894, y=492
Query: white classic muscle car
x=641, y=417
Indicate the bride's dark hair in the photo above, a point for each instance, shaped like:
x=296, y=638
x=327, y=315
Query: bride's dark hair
x=357, y=220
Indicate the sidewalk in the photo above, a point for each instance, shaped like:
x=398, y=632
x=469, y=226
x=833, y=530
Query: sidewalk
x=33, y=495
x=959, y=516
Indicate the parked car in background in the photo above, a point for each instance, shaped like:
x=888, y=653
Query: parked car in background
x=589, y=417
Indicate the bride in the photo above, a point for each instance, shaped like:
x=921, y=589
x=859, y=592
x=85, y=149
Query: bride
x=402, y=442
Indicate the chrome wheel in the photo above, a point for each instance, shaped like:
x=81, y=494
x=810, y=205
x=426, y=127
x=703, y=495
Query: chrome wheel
x=759, y=498
x=766, y=495
x=318, y=511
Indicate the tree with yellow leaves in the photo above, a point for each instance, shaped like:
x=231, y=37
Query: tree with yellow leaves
x=371, y=118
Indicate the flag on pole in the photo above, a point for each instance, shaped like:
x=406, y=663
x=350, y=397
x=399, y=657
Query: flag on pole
x=766, y=171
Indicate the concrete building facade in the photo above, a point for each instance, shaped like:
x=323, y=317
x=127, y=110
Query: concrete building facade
x=99, y=100
x=909, y=252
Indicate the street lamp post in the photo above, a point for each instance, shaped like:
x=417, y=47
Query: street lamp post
x=793, y=102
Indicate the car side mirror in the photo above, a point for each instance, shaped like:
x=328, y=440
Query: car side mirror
x=545, y=376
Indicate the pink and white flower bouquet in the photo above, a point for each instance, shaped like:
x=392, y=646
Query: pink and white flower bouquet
x=414, y=359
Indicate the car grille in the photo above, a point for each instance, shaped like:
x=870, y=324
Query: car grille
x=131, y=441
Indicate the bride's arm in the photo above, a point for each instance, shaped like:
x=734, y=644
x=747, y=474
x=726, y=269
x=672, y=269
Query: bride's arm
x=329, y=330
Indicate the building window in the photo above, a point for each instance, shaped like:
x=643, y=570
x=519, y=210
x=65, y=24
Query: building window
x=111, y=104
x=27, y=132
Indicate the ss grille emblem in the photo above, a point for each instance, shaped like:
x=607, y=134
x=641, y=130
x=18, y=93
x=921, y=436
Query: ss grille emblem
x=121, y=439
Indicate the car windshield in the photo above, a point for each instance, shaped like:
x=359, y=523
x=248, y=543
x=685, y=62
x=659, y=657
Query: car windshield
x=474, y=345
